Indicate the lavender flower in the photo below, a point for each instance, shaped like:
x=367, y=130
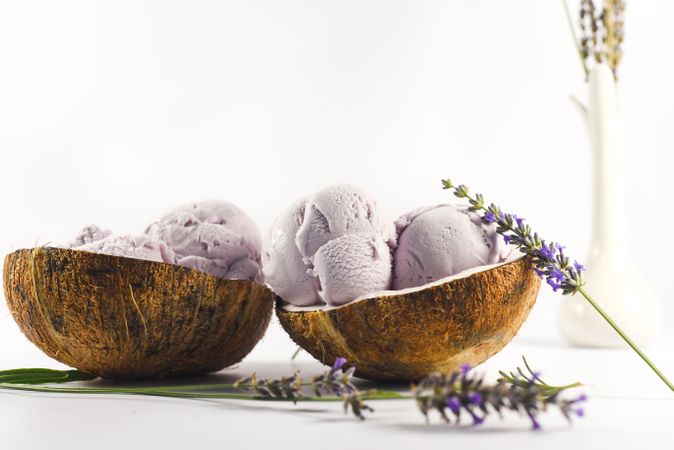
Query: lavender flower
x=547, y=252
x=339, y=362
x=460, y=393
x=463, y=392
x=337, y=381
x=548, y=258
x=557, y=274
x=285, y=387
x=475, y=398
x=333, y=382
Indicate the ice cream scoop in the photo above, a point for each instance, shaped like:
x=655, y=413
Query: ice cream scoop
x=138, y=247
x=89, y=234
x=438, y=241
x=352, y=265
x=330, y=247
x=215, y=237
x=282, y=262
x=339, y=210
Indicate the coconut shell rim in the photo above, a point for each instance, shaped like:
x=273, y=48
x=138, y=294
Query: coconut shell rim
x=286, y=307
x=118, y=257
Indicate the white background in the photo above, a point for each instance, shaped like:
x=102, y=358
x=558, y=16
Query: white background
x=114, y=112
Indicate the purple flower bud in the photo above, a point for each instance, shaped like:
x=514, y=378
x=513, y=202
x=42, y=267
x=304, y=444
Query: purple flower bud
x=534, y=423
x=581, y=398
x=558, y=274
x=580, y=412
x=539, y=272
x=475, y=398
x=578, y=266
x=547, y=252
x=465, y=368
x=507, y=238
x=339, y=362
x=489, y=217
x=519, y=220
x=559, y=247
x=477, y=420
x=553, y=284
x=454, y=404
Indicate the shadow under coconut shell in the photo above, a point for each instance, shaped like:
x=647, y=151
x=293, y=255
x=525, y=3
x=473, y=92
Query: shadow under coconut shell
x=125, y=318
x=307, y=369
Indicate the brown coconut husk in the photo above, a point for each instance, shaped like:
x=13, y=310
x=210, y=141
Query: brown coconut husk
x=406, y=335
x=122, y=318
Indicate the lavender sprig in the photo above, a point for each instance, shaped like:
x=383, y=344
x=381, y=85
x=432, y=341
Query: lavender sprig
x=522, y=379
x=335, y=382
x=286, y=387
x=548, y=260
x=466, y=393
x=469, y=393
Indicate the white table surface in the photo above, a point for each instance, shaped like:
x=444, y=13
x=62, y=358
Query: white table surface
x=627, y=408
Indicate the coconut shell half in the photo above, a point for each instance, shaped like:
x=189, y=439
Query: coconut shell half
x=122, y=318
x=406, y=335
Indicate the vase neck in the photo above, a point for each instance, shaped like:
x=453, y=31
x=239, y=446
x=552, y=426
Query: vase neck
x=605, y=130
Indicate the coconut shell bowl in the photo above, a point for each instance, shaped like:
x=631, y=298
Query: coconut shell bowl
x=124, y=318
x=406, y=335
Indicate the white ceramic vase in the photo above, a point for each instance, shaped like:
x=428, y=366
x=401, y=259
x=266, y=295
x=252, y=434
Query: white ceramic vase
x=612, y=279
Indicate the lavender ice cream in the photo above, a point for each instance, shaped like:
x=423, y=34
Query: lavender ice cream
x=438, y=241
x=139, y=247
x=282, y=262
x=339, y=210
x=214, y=237
x=89, y=234
x=352, y=265
x=332, y=247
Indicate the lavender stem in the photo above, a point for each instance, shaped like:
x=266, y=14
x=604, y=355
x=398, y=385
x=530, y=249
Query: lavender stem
x=626, y=338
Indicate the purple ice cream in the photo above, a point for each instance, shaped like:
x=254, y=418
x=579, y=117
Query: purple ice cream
x=339, y=210
x=214, y=237
x=282, y=263
x=438, y=241
x=138, y=247
x=332, y=247
x=88, y=235
x=352, y=265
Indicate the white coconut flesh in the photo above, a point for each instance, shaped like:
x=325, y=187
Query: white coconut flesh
x=512, y=257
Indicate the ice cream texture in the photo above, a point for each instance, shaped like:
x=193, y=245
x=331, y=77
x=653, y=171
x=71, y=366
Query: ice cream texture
x=339, y=210
x=215, y=237
x=282, y=263
x=89, y=234
x=139, y=247
x=438, y=241
x=352, y=265
x=335, y=245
